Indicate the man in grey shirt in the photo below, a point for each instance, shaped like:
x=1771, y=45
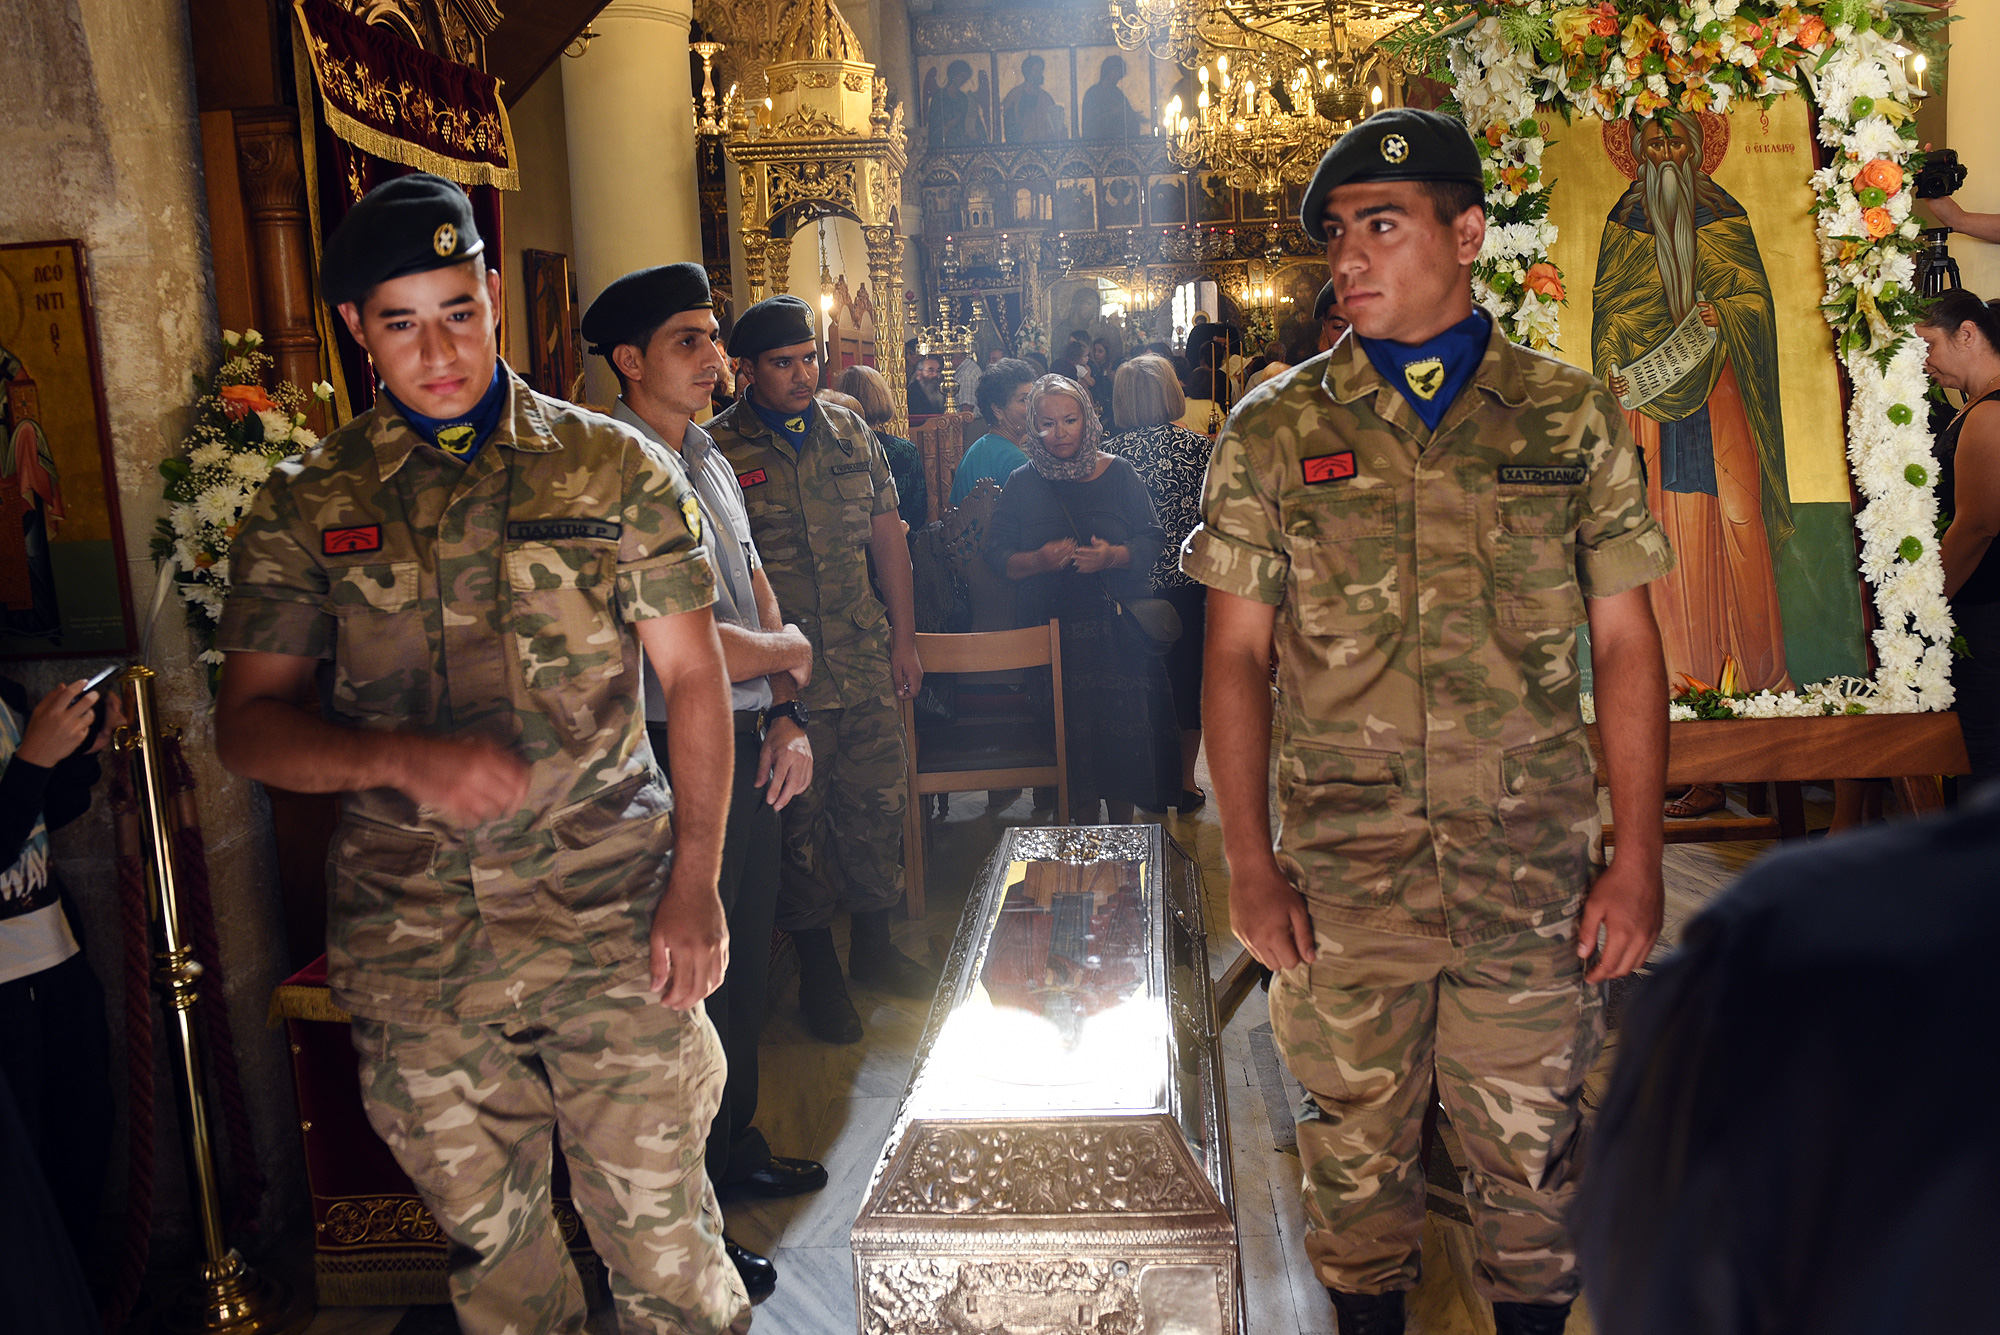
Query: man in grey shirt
x=657, y=328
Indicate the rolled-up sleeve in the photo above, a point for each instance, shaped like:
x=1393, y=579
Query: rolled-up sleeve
x=1239, y=546
x=277, y=586
x=663, y=566
x=1619, y=545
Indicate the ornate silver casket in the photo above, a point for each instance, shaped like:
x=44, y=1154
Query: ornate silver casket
x=1060, y=1163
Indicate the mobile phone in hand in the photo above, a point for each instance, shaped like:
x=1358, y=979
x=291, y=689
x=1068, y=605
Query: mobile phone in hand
x=96, y=683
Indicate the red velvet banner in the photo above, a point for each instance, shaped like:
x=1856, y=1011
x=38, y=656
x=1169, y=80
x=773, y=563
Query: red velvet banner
x=382, y=108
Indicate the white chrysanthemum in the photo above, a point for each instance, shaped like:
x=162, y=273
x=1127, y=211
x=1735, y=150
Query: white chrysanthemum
x=250, y=467
x=277, y=425
x=303, y=437
x=208, y=456
x=216, y=506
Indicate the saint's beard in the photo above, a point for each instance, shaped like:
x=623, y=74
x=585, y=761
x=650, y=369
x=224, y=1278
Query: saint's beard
x=1669, y=188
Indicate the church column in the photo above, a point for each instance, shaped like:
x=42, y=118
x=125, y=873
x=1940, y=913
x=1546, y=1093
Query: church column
x=885, y=267
x=628, y=102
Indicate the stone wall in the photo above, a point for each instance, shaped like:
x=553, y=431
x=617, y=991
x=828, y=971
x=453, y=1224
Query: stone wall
x=98, y=130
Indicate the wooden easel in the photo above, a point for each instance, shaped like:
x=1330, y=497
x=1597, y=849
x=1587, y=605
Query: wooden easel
x=1910, y=750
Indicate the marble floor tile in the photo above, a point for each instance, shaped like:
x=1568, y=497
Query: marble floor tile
x=815, y=1294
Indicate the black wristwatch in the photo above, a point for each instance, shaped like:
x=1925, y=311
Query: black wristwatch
x=795, y=710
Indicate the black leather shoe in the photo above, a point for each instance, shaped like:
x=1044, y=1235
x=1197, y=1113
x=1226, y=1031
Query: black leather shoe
x=759, y=1275
x=873, y=960
x=1530, y=1318
x=828, y=1010
x=1368, y=1313
x=780, y=1177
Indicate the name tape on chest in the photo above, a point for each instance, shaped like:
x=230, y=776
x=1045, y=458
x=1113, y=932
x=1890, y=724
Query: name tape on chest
x=1327, y=467
x=348, y=541
x=756, y=477
x=1541, y=475
x=563, y=530
x=842, y=469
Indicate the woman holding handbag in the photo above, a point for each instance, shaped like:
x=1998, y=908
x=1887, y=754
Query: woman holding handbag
x=1076, y=531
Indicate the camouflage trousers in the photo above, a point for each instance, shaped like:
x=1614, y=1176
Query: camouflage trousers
x=844, y=834
x=1507, y=1030
x=470, y=1112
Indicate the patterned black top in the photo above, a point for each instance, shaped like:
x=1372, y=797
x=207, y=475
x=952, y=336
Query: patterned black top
x=1172, y=461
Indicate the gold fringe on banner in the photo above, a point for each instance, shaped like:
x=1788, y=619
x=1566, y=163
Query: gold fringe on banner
x=392, y=149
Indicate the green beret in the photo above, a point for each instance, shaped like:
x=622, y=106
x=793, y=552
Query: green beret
x=774, y=322
x=412, y=224
x=1324, y=303
x=1400, y=144
x=632, y=307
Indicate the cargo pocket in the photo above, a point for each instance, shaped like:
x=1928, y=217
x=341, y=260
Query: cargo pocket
x=1534, y=566
x=1343, y=553
x=779, y=530
x=385, y=911
x=1345, y=821
x=1548, y=807
x=857, y=496
x=563, y=624
x=382, y=656
x=610, y=865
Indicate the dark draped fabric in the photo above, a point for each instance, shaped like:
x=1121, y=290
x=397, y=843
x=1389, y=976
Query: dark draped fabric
x=1004, y=310
x=380, y=108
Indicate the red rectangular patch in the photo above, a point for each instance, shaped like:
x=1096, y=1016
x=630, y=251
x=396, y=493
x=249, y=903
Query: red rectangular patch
x=755, y=478
x=347, y=541
x=1328, y=467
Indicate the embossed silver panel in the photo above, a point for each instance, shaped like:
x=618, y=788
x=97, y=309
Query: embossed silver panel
x=1060, y=1163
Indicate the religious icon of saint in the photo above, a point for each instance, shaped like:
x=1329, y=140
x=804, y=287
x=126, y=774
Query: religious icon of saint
x=1120, y=202
x=31, y=508
x=956, y=115
x=1106, y=113
x=1685, y=334
x=1028, y=114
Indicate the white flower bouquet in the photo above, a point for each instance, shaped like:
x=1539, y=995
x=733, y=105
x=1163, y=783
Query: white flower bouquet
x=241, y=432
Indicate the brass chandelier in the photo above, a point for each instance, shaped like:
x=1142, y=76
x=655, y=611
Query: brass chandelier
x=1279, y=80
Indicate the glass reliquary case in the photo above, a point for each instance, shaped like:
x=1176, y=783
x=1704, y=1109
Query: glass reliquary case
x=1060, y=1162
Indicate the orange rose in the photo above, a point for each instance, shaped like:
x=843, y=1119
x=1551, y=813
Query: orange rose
x=1882, y=174
x=1604, y=23
x=1812, y=32
x=1880, y=224
x=238, y=400
x=1545, y=280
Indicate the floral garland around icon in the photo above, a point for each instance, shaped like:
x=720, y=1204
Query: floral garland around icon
x=1509, y=58
x=241, y=432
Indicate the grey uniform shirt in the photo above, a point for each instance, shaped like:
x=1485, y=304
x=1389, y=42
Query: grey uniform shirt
x=730, y=551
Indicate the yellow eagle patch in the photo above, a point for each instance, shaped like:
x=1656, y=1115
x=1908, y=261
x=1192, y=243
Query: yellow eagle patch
x=1426, y=377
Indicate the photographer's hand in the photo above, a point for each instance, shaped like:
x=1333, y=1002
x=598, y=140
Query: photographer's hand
x=1950, y=213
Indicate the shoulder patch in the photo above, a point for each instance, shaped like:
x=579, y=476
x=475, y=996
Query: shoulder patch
x=1541, y=475
x=756, y=477
x=348, y=541
x=1327, y=467
x=561, y=530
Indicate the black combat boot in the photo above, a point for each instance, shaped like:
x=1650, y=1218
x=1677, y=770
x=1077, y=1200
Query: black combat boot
x=872, y=958
x=1530, y=1318
x=829, y=1012
x=1368, y=1313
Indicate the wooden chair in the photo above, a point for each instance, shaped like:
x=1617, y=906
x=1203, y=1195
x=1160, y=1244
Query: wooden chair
x=992, y=753
x=940, y=443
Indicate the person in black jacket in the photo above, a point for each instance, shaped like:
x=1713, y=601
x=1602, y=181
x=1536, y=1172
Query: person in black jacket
x=54, y=1042
x=1802, y=1136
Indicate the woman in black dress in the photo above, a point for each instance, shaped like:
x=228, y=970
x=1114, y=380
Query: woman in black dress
x=1075, y=529
x=1171, y=460
x=1963, y=336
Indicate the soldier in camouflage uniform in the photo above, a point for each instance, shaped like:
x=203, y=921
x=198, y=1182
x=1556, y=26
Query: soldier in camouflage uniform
x=822, y=503
x=471, y=571
x=1422, y=517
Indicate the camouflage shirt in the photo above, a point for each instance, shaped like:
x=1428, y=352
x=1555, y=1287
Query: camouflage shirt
x=1433, y=777
x=812, y=512
x=489, y=599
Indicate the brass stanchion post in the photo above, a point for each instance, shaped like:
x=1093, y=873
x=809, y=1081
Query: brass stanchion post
x=228, y=1295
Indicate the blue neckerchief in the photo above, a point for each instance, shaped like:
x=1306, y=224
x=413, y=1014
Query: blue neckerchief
x=1443, y=364
x=461, y=436
x=792, y=426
